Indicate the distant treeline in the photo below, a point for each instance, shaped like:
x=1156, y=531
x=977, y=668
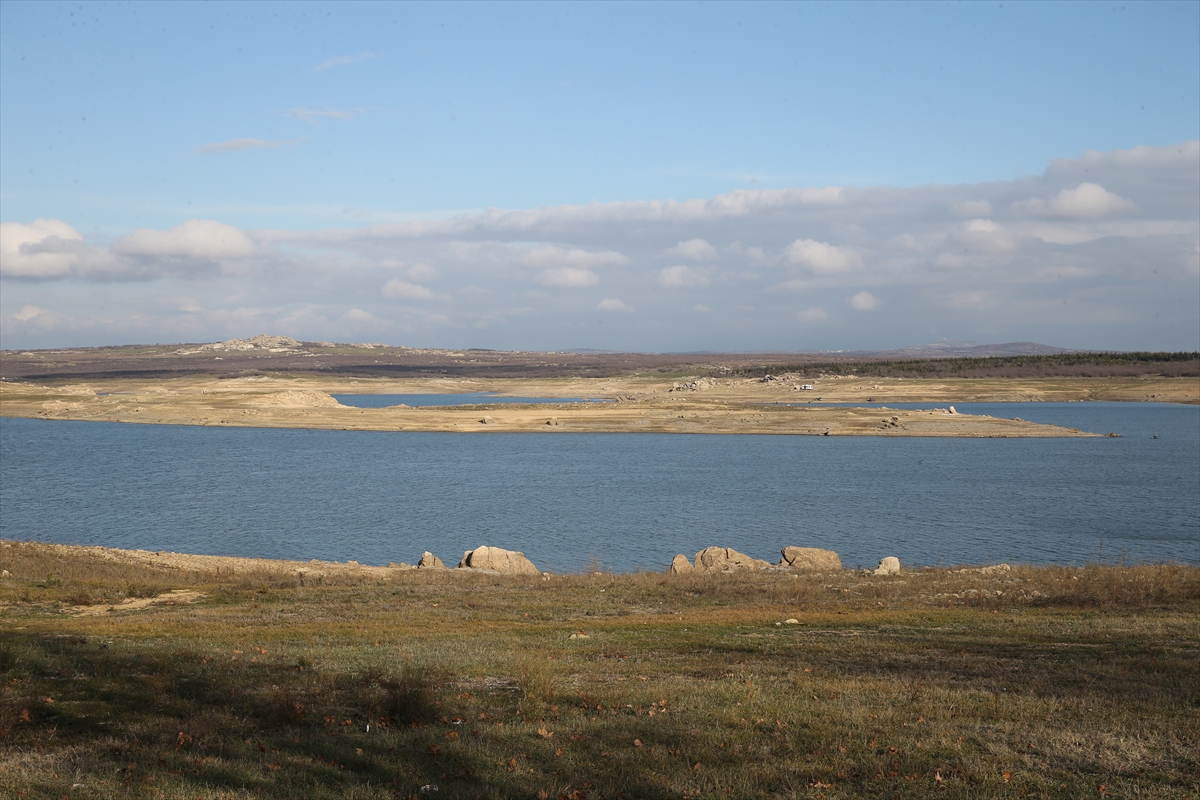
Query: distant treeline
x=1065, y=365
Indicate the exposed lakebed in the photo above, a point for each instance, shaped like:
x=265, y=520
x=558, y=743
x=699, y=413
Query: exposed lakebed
x=440, y=400
x=630, y=500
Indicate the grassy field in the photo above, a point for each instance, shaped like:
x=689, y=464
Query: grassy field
x=1033, y=682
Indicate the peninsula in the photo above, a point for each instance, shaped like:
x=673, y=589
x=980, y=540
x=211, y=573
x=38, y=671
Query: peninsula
x=278, y=382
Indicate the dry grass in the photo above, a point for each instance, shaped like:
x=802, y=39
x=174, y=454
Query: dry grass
x=1047, y=682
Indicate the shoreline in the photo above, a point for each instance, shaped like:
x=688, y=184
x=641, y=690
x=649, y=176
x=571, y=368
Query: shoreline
x=228, y=566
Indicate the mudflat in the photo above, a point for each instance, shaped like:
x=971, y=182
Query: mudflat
x=278, y=382
x=627, y=405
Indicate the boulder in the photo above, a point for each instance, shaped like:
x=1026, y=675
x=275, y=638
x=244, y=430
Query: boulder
x=725, y=559
x=508, y=562
x=888, y=566
x=429, y=560
x=680, y=565
x=810, y=559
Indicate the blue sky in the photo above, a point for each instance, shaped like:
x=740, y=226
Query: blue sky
x=326, y=171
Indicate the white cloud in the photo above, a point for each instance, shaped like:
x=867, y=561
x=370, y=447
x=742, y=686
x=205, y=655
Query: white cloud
x=971, y=208
x=612, y=304
x=984, y=236
x=568, y=277
x=396, y=289
x=27, y=313
x=694, y=249
x=985, y=277
x=196, y=238
x=548, y=255
x=681, y=277
x=45, y=248
x=1085, y=201
x=811, y=315
x=341, y=61
x=246, y=144
x=421, y=272
x=821, y=257
x=864, y=301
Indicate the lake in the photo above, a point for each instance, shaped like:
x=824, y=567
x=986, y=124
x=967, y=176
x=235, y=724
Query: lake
x=629, y=501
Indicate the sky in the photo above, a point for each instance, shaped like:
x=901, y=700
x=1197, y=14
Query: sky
x=623, y=176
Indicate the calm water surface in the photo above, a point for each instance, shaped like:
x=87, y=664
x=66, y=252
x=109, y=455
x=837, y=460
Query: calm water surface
x=630, y=500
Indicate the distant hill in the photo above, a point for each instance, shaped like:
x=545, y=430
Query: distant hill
x=952, y=348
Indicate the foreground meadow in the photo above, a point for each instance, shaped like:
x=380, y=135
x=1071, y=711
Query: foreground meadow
x=124, y=680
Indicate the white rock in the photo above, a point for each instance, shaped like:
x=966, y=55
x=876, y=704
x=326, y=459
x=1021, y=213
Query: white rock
x=889, y=565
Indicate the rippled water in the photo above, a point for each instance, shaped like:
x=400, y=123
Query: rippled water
x=629, y=500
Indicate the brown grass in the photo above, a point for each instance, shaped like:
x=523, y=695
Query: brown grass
x=1039, y=682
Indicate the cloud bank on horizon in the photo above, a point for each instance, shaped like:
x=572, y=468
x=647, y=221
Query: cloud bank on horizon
x=1102, y=250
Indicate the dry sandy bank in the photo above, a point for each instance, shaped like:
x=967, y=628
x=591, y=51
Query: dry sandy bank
x=635, y=404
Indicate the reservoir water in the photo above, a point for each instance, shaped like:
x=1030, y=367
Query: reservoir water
x=630, y=501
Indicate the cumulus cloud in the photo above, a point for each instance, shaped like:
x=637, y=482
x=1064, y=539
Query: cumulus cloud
x=971, y=208
x=612, y=304
x=681, y=277
x=973, y=261
x=196, y=238
x=821, y=257
x=233, y=145
x=568, y=277
x=45, y=248
x=421, y=272
x=547, y=255
x=397, y=289
x=694, y=249
x=984, y=236
x=1085, y=201
x=864, y=301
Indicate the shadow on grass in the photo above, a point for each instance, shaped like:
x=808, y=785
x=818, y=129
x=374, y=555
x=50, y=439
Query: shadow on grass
x=185, y=722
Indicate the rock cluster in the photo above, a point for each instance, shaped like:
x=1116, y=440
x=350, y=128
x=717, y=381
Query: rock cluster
x=889, y=565
x=430, y=561
x=496, y=559
x=698, y=385
x=810, y=559
x=725, y=559
x=260, y=342
x=680, y=565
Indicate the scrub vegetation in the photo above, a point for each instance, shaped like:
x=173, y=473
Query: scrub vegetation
x=1061, y=365
x=1028, y=682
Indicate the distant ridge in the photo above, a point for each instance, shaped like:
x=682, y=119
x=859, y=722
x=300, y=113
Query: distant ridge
x=952, y=348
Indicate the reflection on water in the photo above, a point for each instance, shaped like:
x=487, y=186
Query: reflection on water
x=630, y=500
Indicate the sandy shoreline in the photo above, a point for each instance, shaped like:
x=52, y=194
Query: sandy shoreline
x=635, y=404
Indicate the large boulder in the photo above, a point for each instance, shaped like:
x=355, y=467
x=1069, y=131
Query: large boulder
x=810, y=559
x=680, y=565
x=497, y=559
x=889, y=565
x=430, y=561
x=726, y=559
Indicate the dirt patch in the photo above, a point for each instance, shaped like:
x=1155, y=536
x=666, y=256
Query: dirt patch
x=172, y=598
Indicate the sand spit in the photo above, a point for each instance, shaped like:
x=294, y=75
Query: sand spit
x=633, y=406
